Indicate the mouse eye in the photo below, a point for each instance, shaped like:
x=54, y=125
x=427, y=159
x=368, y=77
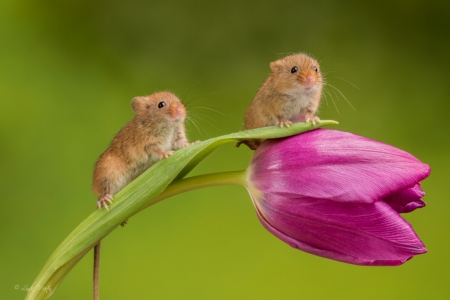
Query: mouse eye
x=315, y=69
x=294, y=69
x=161, y=104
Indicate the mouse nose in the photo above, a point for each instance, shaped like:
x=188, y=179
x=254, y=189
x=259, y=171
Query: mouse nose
x=308, y=79
x=177, y=110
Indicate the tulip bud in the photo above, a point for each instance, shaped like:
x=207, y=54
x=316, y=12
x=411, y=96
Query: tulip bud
x=338, y=195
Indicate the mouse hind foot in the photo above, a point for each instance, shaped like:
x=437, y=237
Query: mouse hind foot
x=103, y=201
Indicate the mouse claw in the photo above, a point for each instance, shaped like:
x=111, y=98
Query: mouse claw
x=193, y=143
x=313, y=120
x=166, y=154
x=102, y=202
x=284, y=123
x=187, y=144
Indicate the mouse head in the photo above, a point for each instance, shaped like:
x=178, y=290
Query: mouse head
x=161, y=107
x=299, y=72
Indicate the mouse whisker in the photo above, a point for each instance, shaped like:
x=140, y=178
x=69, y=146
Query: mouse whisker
x=347, y=82
x=328, y=72
x=342, y=95
x=191, y=120
x=326, y=98
x=192, y=87
x=332, y=99
x=205, y=120
x=211, y=124
x=197, y=120
x=210, y=104
x=204, y=115
x=189, y=101
x=208, y=108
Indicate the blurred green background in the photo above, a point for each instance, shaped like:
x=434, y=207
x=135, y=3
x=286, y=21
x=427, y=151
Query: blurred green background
x=69, y=69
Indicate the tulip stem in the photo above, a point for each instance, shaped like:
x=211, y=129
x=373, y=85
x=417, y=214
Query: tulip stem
x=201, y=181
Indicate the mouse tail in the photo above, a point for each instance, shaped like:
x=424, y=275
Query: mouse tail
x=252, y=144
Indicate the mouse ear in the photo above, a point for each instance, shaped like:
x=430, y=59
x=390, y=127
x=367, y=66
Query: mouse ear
x=275, y=66
x=136, y=104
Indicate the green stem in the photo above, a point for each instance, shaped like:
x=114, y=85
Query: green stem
x=201, y=181
x=147, y=189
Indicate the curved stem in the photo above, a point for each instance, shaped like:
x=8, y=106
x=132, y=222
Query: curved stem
x=201, y=181
x=147, y=189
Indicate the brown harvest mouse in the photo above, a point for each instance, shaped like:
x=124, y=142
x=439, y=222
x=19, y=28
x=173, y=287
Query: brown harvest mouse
x=156, y=130
x=154, y=133
x=291, y=93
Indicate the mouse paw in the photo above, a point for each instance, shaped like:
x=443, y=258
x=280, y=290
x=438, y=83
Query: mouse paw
x=165, y=154
x=193, y=143
x=187, y=144
x=312, y=119
x=282, y=123
x=103, y=201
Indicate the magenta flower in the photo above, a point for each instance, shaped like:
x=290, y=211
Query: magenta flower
x=338, y=195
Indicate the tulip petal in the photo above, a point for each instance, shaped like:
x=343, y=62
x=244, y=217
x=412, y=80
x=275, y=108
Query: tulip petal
x=362, y=234
x=334, y=165
x=406, y=200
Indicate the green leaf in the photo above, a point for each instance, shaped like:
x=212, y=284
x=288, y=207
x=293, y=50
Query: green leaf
x=137, y=195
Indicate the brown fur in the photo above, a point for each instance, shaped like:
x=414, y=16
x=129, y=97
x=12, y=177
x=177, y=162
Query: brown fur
x=286, y=97
x=154, y=133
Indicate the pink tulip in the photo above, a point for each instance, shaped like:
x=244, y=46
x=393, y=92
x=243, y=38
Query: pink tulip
x=338, y=195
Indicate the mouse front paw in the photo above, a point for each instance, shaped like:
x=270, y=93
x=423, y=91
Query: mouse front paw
x=193, y=143
x=165, y=154
x=184, y=145
x=103, y=201
x=282, y=123
x=310, y=117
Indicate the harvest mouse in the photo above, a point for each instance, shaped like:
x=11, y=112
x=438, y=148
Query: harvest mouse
x=291, y=93
x=154, y=133
x=156, y=130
